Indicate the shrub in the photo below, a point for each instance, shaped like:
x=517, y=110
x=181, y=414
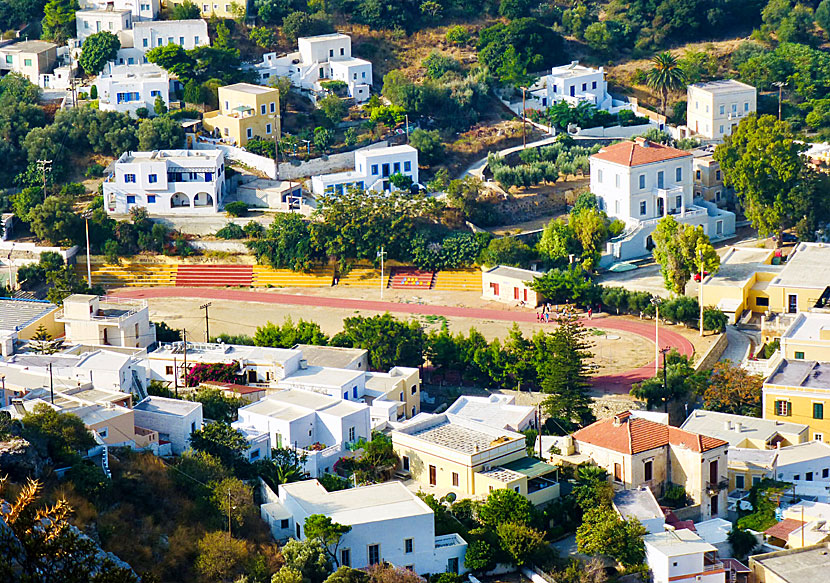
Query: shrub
x=457, y=35
x=231, y=231
x=93, y=92
x=236, y=209
x=94, y=170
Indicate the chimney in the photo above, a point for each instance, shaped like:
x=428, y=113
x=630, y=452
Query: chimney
x=727, y=425
x=739, y=426
x=641, y=141
x=621, y=418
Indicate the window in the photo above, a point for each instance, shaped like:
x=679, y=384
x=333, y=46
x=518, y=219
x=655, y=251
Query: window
x=584, y=86
x=455, y=479
x=297, y=528
x=130, y=199
x=413, y=390
x=284, y=523
x=351, y=433
x=809, y=476
x=155, y=93
x=345, y=557
x=407, y=545
x=195, y=40
x=717, y=195
x=599, y=176
x=396, y=167
x=678, y=174
x=9, y=59
x=593, y=85
x=192, y=426
x=152, y=178
x=713, y=471
x=129, y=178
x=799, y=355
x=617, y=473
x=103, y=432
x=151, y=199
x=617, y=180
x=374, y=169
x=262, y=109
x=255, y=454
x=407, y=166
x=642, y=180
x=273, y=107
x=27, y=62
x=739, y=482
x=818, y=436
x=342, y=51
x=648, y=470
x=678, y=201
x=720, y=129
x=249, y=133
x=761, y=302
x=168, y=370
x=660, y=179
x=697, y=174
x=825, y=473
x=405, y=463
x=452, y=565
x=374, y=554
x=783, y=408
x=722, y=110
x=268, y=128
x=818, y=408
x=354, y=392
x=331, y=52
x=717, y=174
x=433, y=475
x=797, y=477
x=746, y=106
x=642, y=207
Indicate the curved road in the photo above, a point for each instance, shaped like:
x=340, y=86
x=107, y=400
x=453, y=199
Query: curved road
x=616, y=383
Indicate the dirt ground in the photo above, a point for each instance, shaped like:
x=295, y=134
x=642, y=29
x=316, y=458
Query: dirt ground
x=613, y=352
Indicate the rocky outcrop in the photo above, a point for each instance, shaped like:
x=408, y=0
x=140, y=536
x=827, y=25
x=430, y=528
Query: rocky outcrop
x=20, y=460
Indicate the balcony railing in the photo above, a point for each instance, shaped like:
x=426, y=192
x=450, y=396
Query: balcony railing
x=448, y=540
x=714, y=567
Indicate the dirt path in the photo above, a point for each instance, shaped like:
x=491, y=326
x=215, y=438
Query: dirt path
x=626, y=343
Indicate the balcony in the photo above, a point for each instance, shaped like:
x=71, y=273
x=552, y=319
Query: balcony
x=714, y=487
x=736, y=115
x=448, y=540
x=111, y=310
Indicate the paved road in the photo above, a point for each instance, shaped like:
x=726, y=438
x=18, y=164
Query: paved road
x=615, y=384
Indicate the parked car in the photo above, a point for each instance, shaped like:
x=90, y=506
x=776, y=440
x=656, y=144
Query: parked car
x=697, y=275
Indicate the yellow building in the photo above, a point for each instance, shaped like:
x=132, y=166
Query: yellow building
x=446, y=453
x=208, y=8
x=245, y=111
x=750, y=279
x=798, y=391
x=807, y=337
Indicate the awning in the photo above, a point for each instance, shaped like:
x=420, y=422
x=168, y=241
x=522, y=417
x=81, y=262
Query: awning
x=530, y=467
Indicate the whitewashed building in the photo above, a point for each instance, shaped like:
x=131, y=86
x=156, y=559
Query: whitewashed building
x=89, y=22
x=322, y=427
x=188, y=34
x=715, y=108
x=389, y=524
x=126, y=88
x=140, y=9
x=640, y=182
x=174, y=420
x=574, y=84
x=107, y=321
x=327, y=57
x=373, y=167
x=681, y=556
x=167, y=182
x=500, y=411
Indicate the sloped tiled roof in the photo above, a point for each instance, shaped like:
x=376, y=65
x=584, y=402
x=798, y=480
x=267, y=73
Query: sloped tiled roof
x=783, y=529
x=626, y=434
x=634, y=154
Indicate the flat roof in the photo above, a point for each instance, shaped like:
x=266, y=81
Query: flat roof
x=674, y=543
x=92, y=414
x=764, y=458
x=723, y=86
x=736, y=428
x=321, y=376
x=802, y=452
x=217, y=352
x=143, y=70
x=798, y=565
x=16, y=314
x=502, y=474
x=530, y=467
x=184, y=157
x=386, y=501
x=168, y=23
x=290, y=404
x=801, y=373
x=372, y=152
x=250, y=88
x=100, y=11
x=514, y=272
x=714, y=530
x=331, y=356
x=167, y=406
x=808, y=326
x=806, y=267
x=640, y=504
x=459, y=434
x=573, y=69
x=493, y=411
x=322, y=37
x=29, y=46
x=741, y=263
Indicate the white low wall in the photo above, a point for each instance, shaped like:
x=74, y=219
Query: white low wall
x=613, y=131
x=35, y=251
x=261, y=163
x=224, y=246
x=327, y=165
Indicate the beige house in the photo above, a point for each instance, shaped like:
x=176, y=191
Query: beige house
x=708, y=178
x=446, y=453
x=510, y=285
x=29, y=58
x=638, y=452
x=245, y=111
x=804, y=565
x=715, y=108
x=95, y=320
x=208, y=8
x=807, y=338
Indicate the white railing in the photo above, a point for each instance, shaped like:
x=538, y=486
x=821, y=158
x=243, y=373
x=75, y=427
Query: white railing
x=448, y=540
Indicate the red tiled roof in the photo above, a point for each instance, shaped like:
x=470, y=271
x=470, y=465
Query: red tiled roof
x=634, y=154
x=783, y=529
x=241, y=389
x=626, y=434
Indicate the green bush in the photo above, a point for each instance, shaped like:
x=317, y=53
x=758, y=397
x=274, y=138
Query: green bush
x=457, y=35
x=231, y=231
x=236, y=209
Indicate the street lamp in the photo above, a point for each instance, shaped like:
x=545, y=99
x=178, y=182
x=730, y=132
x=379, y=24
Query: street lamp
x=664, y=351
x=381, y=254
x=524, y=117
x=700, y=288
x=87, y=215
x=656, y=303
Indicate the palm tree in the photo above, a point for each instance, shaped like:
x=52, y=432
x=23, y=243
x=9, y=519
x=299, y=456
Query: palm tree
x=665, y=75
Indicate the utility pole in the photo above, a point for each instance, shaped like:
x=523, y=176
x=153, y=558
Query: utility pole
x=184, y=335
x=44, y=166
x=407, y=127
x=656, y=303
x=780, y=85
x=700, y=289
x=524, y=118
x=88, y=262
x=381, y=253
x=207, y=325
x=663, y=351
x=277, y=129
x=51, y=385
x=175, y=377
x=229, y=514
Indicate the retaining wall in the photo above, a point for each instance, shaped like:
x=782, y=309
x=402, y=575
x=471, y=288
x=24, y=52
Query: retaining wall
x=711, y=356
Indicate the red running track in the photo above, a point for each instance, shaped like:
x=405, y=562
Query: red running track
x=615, y=383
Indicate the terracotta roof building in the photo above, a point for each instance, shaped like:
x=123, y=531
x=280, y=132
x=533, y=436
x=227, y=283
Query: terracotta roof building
x=639, y=152
x=638, y=452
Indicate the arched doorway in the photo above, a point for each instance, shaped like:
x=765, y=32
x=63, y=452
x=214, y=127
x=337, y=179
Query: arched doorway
x=203, y=199
x=179, y=199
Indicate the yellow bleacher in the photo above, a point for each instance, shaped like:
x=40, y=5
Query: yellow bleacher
x=131, y=274
x=458, y=280
x=317, y=277
x=363, y=276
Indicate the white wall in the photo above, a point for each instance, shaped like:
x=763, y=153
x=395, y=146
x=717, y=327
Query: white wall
x=177, y=429
x=188, y=34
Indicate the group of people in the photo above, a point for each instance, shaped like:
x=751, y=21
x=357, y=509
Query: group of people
x=550, y=311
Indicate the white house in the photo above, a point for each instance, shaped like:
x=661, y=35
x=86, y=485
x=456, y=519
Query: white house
x=499, y=411
x=107, y=321
x=126, y=88
x=640, y=182
x=389, y=524
x=173, y=419
x=510, y=285
x=373, y=167
x=140, y=9
x=322, y=58
x=322, y=426
x=188, y=34
x=88, y=22
x=681, y=556
x=715, y=108
x=167, y=182
x=575, y=84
